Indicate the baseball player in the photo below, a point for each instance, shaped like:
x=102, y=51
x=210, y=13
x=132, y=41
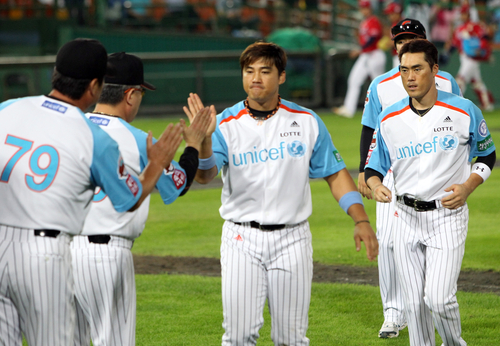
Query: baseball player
x=267, y=149
x=429, y=140
x=393, y=12
x=102, y=260
x=384, y=91
x=474, y=45
x=51, y=160
x=370, y=62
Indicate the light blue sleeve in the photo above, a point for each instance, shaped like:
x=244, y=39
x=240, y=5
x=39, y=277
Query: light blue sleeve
x=108, y=171
x=372, y=106
x=219, y=146
x=455, y=89
x=7, y=103
x=171, y=183
x=481, y=143
x=379, y=159
x=325, y=158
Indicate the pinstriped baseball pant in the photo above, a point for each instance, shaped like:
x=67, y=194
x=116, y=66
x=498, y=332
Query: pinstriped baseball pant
x=390, y=288
x=36, y=288
x=105, y=292
x=429, y=248
x=259, y=265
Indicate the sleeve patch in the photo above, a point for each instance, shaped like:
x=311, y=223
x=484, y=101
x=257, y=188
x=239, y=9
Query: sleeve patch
x=132, y=185
x=337, y=156
x=483, y=128
x=179, y=178
x=485, y=144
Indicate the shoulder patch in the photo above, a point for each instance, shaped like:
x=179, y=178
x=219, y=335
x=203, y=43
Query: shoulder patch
x=337, y=156
x=483, y=128
x=485, y=144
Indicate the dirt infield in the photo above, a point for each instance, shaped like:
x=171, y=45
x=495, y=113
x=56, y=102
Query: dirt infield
x=469, y=281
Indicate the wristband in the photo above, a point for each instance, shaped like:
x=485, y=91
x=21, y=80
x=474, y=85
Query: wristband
x=358, y=222
x=350, y=198
x=206, y=164
x=482, y=170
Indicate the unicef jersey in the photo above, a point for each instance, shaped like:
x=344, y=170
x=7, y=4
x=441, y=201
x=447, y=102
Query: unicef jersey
x=103, y=218
x=430, y=153
x=266, y=165
x=51, y=160
x=388, y=88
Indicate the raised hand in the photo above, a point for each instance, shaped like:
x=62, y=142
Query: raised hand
x=194, y=106
x=163, y=151
x=195, y=133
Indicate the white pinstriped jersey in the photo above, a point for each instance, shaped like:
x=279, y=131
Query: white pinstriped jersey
x=388, y=88
x=51, y=159
x=266, y=165
x=430, y=153
x=103, y=218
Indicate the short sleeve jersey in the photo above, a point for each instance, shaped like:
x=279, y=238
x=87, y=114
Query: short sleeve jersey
x=266, y=165
x=430, y=153
x=388, y=88
x=471, y=38
x=103, y=218
x=51, y=159
x=370, y=28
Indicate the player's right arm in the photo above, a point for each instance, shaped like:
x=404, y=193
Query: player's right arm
x=377, y=167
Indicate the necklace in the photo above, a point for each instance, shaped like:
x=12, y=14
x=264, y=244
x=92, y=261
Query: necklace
x=109, y=115
x=267, y=116
x=425, y=112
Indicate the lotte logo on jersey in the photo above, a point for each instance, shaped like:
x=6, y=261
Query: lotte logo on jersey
x=295, y=149
x=446, y=143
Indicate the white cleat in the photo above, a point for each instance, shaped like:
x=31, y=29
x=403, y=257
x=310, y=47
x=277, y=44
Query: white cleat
x=342, y=111
x=390, y=330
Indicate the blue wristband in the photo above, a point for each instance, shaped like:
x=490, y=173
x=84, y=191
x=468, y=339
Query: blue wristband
x=206, y=164
x=350, y=198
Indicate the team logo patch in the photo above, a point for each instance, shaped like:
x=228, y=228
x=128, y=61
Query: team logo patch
x=55, y=106
x=483, y=129
x=448, y=142
x=366, y=99
x=179, y=178
x=122, y=170
x=485, y=144
x=132, y=185
x=169, y=170
x=99, y=121
x=337, y=156
x=296, y=149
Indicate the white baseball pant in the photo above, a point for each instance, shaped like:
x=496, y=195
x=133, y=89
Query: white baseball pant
x=371, y=64
x=105, y=292
x=36, y=288
x=429, y=247
x=470, y=72
x=390, y=288
x=259, y=265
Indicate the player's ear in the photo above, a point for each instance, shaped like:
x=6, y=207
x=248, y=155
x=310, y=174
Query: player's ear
x=282, y=77
x=95, y=88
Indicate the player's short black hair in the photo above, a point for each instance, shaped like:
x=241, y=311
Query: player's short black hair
x=269, y=51
x=421, y=46
x=113, y=94
x=71, y=87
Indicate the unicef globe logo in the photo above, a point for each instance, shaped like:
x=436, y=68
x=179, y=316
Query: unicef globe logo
x=296, y=149
x=448, y=142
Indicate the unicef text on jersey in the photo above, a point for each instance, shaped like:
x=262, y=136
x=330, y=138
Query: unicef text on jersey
x=295, y=149
x=446, y=143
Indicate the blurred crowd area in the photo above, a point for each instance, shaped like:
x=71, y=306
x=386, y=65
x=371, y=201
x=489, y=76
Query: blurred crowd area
x=326, y=19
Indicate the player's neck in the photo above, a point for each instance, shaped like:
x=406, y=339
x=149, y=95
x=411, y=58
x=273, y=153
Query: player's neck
x=427, y=101
x=108, y=110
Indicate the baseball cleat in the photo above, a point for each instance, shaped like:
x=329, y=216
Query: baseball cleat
x=389, y=330
x=342, y=111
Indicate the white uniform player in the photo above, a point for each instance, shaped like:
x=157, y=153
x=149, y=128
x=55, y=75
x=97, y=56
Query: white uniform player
x=267, y=150
x=101, y=256
x=49, y=171
x=384, y=91
x=429, y=152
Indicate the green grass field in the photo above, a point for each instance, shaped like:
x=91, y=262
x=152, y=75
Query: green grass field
x=187, y=310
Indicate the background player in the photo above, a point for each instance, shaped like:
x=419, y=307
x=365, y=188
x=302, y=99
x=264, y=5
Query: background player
x=431, y=213
x=267, y=149
x=473, y=43
x=51, y=159
x=393, y=12
x=370, y=62
x=102, y=260
x=384, y=91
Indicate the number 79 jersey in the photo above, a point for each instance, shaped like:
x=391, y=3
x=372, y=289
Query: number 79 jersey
x=51, y=159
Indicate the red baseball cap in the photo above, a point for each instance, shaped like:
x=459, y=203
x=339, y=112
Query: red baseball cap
x=364, y=3
x=393, y=7
x=465, y=8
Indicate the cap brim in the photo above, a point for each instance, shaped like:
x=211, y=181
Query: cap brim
x=148, y=86
x=407, y=33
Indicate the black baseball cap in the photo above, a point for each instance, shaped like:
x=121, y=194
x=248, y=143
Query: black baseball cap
x=83, y=59
x=408, y=26
x=128, y=70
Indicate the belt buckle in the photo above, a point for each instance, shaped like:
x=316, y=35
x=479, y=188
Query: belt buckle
x=415, y=205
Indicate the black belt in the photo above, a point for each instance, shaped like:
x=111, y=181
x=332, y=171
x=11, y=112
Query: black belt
x=257, y=225
x=51, y=233
x=99, y=239
x=417, y=204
